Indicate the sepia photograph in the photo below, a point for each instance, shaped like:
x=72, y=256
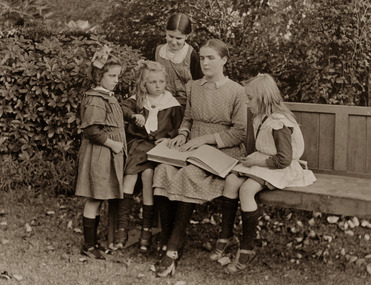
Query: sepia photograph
x=185, y=142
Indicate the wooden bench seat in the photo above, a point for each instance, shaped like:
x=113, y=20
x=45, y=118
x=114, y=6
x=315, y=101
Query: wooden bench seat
x=335, y=194
x=338, y=150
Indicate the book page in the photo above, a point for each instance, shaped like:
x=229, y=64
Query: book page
x=244, y=169
x=212, y=160
x=163, y=154
x=241, y=168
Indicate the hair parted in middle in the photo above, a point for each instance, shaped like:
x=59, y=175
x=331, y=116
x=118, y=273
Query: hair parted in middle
x=179, y=22
x=145, y=67
x=269, y=97
x=218, y=46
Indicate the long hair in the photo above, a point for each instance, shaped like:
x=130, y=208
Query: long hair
x=144, y=68
x=268, y=95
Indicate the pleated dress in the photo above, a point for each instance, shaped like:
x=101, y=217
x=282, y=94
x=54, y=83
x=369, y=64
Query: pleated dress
x=100, y=170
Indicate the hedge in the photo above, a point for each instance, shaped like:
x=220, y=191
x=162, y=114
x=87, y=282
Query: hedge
x=42, y=79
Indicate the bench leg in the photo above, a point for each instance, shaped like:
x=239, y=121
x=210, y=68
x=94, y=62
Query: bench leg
x=112, y=219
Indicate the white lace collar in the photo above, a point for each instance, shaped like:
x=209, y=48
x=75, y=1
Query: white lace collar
x=176, y=57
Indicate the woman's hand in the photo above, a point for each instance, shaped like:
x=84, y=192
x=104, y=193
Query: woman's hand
x=178, y=141
x=139, y=120
x=193, y=144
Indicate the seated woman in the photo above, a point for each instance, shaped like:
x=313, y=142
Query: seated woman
x=215, y=114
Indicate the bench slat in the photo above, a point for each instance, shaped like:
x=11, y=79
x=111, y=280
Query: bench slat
x=350, y=196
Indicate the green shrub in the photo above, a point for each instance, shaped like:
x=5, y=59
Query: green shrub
x=42, y=79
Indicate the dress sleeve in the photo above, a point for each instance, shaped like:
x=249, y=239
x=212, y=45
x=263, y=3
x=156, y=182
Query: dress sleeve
x=282, y=140
x=93, y=111
x=195, y=66
x=176, y=120
x=128, y=107
x=187, y=122
x=236, y=134
x=95, y=134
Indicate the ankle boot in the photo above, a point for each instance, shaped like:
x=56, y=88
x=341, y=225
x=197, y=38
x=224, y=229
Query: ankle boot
x=89, y=248
x=146, y=234
x=226, y=239
x=123, y=219
x=249, y=223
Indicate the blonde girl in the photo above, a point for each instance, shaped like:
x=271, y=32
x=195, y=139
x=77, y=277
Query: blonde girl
x=275, y=164
x=153, y=115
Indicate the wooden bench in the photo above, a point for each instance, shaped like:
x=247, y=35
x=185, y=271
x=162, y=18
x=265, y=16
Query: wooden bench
x=338, y=150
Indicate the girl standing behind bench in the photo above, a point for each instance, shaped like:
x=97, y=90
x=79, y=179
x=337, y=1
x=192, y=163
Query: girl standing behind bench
x=279, y=145
x=181, y=61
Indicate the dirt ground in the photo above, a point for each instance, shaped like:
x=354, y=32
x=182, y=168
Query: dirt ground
x=41, y=236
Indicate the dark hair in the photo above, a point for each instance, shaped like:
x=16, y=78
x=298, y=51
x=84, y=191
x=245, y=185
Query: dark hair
x=179, y=22
x=217, y=45
x=97, y=74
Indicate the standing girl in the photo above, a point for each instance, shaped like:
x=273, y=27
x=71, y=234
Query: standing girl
x=101, y=155
x=153, y=115
x=181, y=61
x=215, y=115
x=279, y=144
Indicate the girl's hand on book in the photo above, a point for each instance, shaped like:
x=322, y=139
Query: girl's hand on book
x=161, y=140
x=139, y=120
x=177, y=141
x=192, y=144
x=250, y=161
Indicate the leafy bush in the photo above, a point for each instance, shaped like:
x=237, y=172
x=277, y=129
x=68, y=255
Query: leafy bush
x=42, y=80
x=319, y=51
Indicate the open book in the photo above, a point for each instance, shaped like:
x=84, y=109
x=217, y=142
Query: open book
x=206, y=157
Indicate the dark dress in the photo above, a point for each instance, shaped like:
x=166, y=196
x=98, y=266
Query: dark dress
x=140, y=141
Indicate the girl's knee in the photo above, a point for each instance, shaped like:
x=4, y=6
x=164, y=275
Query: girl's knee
x=250, y=187
x=232, y=185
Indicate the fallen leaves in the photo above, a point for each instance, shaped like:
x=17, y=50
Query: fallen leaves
x=224, y=260
x=28, y=228
x=332, y=219
x=318, y=240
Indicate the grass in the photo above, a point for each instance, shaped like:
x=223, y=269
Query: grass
x=50, y=252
